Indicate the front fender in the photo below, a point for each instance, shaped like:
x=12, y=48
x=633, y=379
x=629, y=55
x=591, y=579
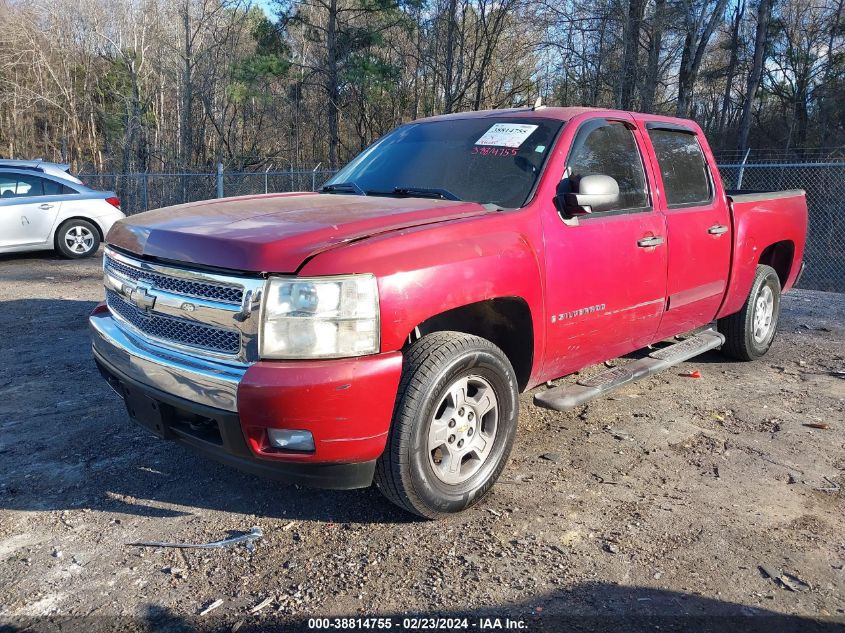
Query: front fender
x=426, y=271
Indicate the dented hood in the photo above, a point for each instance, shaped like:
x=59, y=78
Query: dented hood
x=273, y=233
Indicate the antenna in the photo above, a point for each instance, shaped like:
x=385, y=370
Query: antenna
x=538, y=105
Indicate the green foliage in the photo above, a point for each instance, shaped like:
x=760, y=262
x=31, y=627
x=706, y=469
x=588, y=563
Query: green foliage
x=366, y=69
x=252, y=75
x=112, y=92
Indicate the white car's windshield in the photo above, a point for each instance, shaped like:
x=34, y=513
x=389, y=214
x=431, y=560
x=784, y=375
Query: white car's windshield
x=491, y=160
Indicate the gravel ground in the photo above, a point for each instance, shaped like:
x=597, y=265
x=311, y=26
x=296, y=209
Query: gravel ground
x=675, y=497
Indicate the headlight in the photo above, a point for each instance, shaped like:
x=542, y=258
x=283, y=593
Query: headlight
x=320, y=317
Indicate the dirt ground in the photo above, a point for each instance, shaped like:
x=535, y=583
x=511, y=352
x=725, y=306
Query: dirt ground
x=673, y=499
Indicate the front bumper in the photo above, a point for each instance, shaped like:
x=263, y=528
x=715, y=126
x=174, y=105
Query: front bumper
x=205, y=382
x=224, y=411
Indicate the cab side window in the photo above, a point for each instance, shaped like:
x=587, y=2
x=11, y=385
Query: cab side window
x=611, y=150
x=686, y=180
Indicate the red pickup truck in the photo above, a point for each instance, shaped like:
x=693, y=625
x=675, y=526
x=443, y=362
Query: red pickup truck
x=382, y=328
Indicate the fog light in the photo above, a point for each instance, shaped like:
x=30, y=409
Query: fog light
x=291, y=439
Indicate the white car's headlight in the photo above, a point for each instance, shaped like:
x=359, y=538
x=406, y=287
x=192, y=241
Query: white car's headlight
x=320, y=317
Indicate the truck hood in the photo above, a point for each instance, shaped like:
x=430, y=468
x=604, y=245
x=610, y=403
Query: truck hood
x=276, y=232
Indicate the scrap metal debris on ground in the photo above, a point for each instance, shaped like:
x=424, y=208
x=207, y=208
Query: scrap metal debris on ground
x=211, y=607
x=253, y=535
x=784, y=580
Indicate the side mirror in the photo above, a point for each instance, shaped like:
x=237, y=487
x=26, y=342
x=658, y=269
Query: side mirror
x=589, y=194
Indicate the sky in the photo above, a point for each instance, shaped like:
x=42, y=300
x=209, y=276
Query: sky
x=268, y=6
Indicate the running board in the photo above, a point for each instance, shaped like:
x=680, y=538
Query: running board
x=570, y=396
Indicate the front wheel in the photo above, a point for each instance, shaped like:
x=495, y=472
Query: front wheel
x=749, y=333
x=453, y=425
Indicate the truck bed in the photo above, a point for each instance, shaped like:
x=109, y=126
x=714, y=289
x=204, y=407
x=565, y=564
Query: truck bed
x=758, y=195
x=770, y=227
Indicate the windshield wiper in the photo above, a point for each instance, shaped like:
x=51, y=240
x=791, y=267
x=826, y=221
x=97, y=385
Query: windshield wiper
x=344, y=187
x=422, y=192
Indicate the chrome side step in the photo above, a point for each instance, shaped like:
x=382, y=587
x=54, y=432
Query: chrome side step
x=570, y=396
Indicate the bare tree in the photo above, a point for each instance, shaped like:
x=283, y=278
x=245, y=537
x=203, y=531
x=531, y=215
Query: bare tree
x=700, y=23
x=631, y=44
x=764, y=9
x=132, y=85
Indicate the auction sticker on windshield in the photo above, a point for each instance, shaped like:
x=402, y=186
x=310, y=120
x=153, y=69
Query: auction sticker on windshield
x=506, y=134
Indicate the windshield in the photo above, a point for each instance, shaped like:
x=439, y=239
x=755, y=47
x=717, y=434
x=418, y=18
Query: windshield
x=493, y=160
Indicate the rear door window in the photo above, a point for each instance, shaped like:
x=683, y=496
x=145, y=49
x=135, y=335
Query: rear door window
x=686, y=179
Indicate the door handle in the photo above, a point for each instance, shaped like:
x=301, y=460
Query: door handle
x=46, y=207
x=648, y=242
x=717, y=229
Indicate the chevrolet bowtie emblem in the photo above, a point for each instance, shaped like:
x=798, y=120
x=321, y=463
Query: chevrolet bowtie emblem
x=141, y=298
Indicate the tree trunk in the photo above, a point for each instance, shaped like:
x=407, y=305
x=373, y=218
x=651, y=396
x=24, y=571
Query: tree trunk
x=731, y=71
x=649, y=89
x=693, y=54
x=332, y=88
x=825, y=107
x=763, y=16
x=186, y=124
x=630, y=59
x=450, y=54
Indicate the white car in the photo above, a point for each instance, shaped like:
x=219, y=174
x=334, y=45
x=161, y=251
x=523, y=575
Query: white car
x=42, y=206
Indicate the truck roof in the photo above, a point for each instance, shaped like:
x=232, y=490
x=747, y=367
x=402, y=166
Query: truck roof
x=549, y=112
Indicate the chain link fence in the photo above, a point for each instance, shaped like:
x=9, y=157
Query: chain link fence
x=825, y=187
x=142, y=192
x=824, y=183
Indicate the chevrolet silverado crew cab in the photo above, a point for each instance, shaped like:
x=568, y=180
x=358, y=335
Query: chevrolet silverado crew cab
x=382, y=329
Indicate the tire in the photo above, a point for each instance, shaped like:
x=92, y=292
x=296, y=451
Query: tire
x=76, y=239
x=441, y=401
x=749, y=333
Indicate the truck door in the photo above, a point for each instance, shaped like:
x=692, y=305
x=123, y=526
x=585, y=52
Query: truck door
x=698, y=228
x=606, y=271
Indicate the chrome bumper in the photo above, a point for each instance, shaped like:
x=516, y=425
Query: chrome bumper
x=213, y=384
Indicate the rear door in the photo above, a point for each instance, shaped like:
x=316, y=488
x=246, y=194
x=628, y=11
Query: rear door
x=606, y=272
x=29, y=206
x=698, y=228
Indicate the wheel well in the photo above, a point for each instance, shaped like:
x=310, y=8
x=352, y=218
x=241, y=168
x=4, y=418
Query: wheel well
x=88, y=220
x=505, y=322
x=779, y=256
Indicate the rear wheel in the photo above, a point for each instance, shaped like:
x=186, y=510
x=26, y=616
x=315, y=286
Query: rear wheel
x=77, y=238
x=453, y=425
x=750, y=332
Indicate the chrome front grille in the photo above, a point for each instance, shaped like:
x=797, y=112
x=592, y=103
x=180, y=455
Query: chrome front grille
x=195, y=311
x=176, y=330
x=189, y=288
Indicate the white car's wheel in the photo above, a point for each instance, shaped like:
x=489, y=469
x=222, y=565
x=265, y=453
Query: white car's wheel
x=77, y=238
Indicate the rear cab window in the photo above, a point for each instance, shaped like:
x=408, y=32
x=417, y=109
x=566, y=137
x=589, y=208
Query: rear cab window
x=683, y=168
